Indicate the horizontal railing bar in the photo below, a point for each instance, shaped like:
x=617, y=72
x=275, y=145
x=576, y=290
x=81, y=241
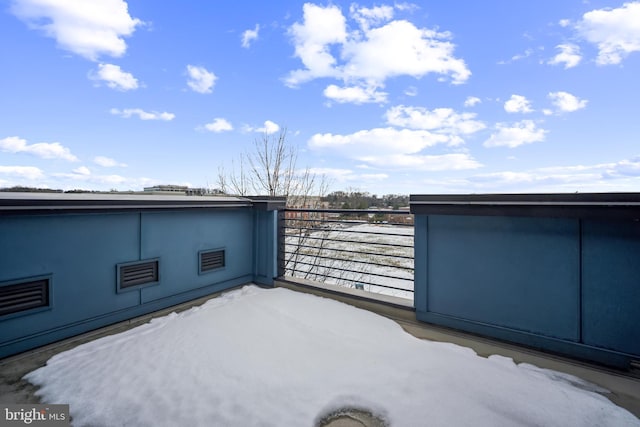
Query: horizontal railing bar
x=410, y=236
x=350, y=211
x=396, y=245
x=350, y=260
x=351, y=251
x=323, y=227
x=352, y=281
x=346, y=221
x=349, y=271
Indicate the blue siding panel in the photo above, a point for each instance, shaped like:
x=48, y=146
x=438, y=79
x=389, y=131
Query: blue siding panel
x=176, y=238
x=514, y=272
x=80, y=252
x=568, y=285
x=265, y=243
x=611, y=285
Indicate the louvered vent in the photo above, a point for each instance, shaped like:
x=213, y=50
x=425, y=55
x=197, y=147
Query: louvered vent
x=211, y=260
x=24, y=296
x=138, y=274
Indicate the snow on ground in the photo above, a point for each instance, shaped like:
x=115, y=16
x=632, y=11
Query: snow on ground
x=257, y=357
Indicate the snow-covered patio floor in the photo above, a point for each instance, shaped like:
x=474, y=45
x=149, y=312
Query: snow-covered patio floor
x=274, y=357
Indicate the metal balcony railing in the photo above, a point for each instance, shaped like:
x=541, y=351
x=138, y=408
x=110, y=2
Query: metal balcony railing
x=371, y=250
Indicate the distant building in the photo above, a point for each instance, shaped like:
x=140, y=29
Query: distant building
x=179, y=190
x=167, y=188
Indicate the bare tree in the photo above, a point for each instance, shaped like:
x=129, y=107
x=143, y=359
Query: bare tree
x=271, y=169
x=237, y=182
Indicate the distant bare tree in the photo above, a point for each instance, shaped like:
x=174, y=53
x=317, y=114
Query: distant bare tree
x=271, y=169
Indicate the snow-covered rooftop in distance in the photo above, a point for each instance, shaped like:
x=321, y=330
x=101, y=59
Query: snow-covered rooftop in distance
x=258, y=357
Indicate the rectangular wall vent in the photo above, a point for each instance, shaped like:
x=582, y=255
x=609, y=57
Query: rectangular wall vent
x=24, y=296
x=139, y=273
x=211, y=260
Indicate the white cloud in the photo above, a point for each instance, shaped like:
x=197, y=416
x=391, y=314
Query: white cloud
x=45, y=150
x=367, y=54
x=142, y=115
x=414, y=130
x=440, y=120
x=411, y=91
x=520, y=133
x=517, y=57
x=82, y=170
x=79, y=178
x=390, y=147
x=347, y=175
x=355, y=94
x=472, y=101
x=200, y=80
x=616, y=32
x=269, y=127
x=623, y=175
x=85, y=176
x=321, y=27
x=527, y=53
x=373, y=176
x=569, y=55
x=367, y=17
x=624, y=168
x=400, y=48
x=218, y=125
x=107, y=162
x=564, y=23
x=250, y=35
x=26, y=172
x=89, y=29
x=114, y=77
x=614, y=176
x=566, y=102
x=382, y=141
x=518, y=104
x=432, y=163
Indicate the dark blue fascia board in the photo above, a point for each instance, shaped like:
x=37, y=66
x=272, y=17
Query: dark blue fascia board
x=48, y=203
x=534, y=341
x=613, y=206
x=51, y=203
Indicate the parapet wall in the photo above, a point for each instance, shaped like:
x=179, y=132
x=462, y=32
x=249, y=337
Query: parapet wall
x=72, y=263
x=559, y=272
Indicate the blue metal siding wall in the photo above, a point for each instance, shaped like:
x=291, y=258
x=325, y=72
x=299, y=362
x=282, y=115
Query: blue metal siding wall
x=529, y=267
x=611, y=285
x=81, y=251
x=561, y=284
x=265, y=242
x=176, y=238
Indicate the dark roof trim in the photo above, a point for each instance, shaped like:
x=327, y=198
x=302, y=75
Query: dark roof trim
x=268, y=203
x=20, y=203
x=570, y=205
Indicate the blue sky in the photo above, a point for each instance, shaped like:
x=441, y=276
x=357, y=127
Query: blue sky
x=429, y=97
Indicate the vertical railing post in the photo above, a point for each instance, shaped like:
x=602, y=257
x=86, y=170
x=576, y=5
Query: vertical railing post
x=282, y=216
